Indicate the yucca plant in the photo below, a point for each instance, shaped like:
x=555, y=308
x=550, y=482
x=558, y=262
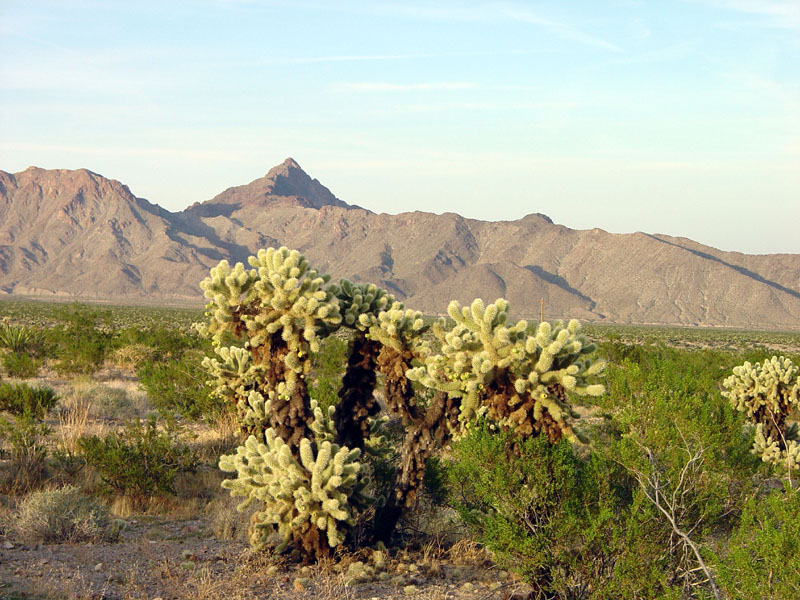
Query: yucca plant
x=17, y=338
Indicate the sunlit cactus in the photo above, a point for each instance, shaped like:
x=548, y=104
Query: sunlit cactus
x=517, y=380
x=768, y=392
x=309, y=466
x=303, y=496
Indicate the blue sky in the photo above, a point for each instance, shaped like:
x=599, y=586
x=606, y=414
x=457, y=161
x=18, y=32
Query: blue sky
x=677, y=117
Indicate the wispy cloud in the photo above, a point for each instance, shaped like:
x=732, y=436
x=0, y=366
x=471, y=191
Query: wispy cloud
x=279, y=60
x=382, y=86
x=492, y=106
x=126, y=151
x=344, y=58
x=475, y=12
x=562, y=30
x=673, y=52
x=779, y=14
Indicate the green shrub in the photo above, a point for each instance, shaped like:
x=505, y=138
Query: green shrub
x=21, y=365
x=180, y=386
x=25, y=439
x=543, y=512
x=763, y=555
x=687, y=456
x=81, y=341
x=164, y=342
x=139, y=460
x=21, y=399
x=327, y=369
x=62, y=515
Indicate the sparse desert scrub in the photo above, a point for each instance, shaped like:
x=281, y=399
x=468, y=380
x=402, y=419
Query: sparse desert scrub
x=129, y=357
x=23, y=435
x=653, y=391
x=228, y=523
x=114, y=401
x=62, y=515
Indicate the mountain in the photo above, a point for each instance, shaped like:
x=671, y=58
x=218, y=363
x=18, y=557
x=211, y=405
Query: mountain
x=78, y=234
x=286, y=184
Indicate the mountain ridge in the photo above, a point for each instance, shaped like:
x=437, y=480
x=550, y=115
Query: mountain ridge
x=60, y=225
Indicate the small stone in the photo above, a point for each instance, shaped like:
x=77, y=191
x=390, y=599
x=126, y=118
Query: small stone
x=8, y=545
x=98, y=567
x=158, y=598
x=410, y=589
x=467, y=587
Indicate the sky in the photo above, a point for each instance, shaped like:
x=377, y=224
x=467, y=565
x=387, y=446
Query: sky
x=666, y=116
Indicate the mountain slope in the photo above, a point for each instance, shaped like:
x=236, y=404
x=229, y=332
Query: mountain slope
x=76, y=233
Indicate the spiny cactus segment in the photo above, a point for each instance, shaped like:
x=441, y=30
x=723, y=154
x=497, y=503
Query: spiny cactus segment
x=303, y=496
x=516, y=379
x=767, y=392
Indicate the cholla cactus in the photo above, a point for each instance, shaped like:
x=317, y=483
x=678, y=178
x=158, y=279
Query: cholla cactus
x=280, y=308
x=235, y=378
x=517, y=380
x=302, y=496
x=303, y=462
x=767, y=392
x=360, y=303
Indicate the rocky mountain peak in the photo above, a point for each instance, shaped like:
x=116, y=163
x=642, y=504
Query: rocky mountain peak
x=285, y=183
x=287, y=168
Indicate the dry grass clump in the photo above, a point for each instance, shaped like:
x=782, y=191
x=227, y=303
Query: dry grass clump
x=118, y=402
x=73, y=420
x=227, y=523
x=61, y=515
x=131, y=356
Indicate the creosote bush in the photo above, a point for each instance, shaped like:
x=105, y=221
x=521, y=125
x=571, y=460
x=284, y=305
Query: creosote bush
x=21, y=365
x=139, y=460
x=179, y=386
x=311, y=465
x=541, y=510
x=762, y=558
x=21, y=399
